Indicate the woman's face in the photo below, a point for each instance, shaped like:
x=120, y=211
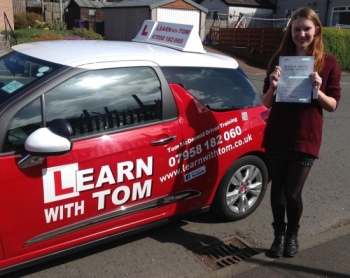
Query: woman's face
x=303, y=32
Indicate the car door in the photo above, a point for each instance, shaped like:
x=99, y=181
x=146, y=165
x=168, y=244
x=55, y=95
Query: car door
x=124, y=120
x=217, y=113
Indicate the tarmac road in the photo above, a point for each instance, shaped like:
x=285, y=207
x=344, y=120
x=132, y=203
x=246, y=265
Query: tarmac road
x=163, y=252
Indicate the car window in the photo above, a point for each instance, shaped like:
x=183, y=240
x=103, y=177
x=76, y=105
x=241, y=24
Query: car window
x=93, y=102
x=18, y=71
x=23, y=124
x=218, y=89
x=101, y=100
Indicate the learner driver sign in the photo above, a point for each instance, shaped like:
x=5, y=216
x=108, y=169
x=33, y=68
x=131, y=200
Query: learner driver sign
x=179, y=36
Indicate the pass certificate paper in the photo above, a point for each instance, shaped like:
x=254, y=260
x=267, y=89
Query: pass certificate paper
x=294, y=84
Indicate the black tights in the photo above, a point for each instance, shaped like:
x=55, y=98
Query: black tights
x=288, y=179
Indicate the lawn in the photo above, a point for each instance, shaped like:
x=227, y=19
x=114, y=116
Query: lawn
x=35, y=34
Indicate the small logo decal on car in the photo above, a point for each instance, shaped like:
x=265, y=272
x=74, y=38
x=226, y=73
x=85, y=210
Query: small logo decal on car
x=198, y=172
x=244, y=116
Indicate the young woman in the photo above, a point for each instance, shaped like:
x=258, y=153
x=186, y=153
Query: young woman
x=293, y=133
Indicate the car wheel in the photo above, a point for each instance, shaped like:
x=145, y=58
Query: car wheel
x=242, y=188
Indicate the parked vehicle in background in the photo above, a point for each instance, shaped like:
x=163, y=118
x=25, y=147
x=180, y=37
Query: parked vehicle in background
x=100, y=139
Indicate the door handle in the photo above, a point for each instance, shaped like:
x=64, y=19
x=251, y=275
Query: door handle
x=163, y=141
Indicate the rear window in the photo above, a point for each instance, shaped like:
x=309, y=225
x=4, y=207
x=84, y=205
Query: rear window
x=218, y=89
x=18, y=71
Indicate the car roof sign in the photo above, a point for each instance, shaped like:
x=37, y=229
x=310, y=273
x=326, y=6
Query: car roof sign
x=182, y=37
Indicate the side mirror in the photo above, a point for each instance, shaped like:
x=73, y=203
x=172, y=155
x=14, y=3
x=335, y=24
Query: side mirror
x=50, y=141
x=45, y=142
x=61, y=127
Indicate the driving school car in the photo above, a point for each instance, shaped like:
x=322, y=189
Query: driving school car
x=100, y=139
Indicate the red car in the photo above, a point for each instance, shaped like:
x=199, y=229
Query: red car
x=100, y=139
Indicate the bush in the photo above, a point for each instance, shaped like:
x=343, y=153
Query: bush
x=40, y=24
x=337, y=41
x=46, y=37
x=25, y=20
x=32, y=18
x=20, y=21
x=87, y=34
x=56, y=25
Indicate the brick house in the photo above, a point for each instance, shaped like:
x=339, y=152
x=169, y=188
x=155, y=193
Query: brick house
x=7, y=7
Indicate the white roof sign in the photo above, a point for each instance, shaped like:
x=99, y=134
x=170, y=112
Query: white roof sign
x=182, y=37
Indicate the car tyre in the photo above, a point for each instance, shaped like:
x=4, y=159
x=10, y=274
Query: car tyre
x=242, y=188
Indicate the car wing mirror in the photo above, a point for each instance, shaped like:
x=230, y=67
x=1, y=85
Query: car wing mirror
x=61, y=127
x=47, y=141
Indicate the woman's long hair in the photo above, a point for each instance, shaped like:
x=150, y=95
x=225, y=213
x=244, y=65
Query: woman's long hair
x=288, y=48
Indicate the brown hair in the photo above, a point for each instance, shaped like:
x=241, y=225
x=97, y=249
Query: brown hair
x=287, y=47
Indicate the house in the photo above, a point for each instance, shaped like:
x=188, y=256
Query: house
x=86, y=13
x=232, y=10
x=7, y=8
x=124, y=19
x=331, y=13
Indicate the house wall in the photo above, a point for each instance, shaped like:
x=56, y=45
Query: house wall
x=123, y=24
x=7, y=7
x=91, y=19
x=203, y=31
x=184, y=18
x=252, y=12
x=72, y=15
x=217, y=6
x=337, y=3
x=319, y=6
x=324, y=12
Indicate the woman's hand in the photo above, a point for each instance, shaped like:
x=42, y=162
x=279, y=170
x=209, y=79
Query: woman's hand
x=316, y=80
x=327, y=103
x=274, y=76
x=268, y=97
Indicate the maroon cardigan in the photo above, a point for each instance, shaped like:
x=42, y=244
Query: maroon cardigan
x=298, y=126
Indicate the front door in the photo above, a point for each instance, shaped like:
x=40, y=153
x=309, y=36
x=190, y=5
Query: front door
x=109, y=182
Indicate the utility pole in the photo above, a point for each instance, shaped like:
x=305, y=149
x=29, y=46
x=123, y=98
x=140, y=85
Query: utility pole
x=61, y=10
x=42, y=8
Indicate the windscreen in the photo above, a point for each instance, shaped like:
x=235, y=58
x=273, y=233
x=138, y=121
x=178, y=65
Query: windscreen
x=19, y=71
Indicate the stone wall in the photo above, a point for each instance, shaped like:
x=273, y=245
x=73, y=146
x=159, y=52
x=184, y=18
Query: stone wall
x=7, y=7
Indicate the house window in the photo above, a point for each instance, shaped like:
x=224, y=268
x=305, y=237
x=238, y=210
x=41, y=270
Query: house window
x=92, y=12
x=289, y=12
x=341, y=17
x=212, y=15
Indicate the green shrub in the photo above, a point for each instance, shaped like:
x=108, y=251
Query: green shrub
x=56, y=25
x=20, y=21
x=337, y=41
x=46, y=37
x=34, y=34
x=32, y=18
x=40, y=24
x=87, y=34
x=26, y=20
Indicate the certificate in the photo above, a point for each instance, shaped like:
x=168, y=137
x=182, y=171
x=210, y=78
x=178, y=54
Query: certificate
x=294, y=84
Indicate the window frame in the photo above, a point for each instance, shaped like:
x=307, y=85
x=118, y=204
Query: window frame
x=338, y=10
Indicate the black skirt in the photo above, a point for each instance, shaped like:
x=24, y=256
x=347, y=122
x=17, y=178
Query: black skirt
x=304, y=159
